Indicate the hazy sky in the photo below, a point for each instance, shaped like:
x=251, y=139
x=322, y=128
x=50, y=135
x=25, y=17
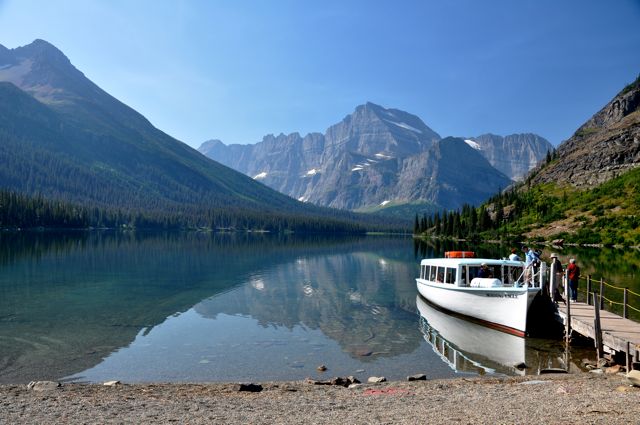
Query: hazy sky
x=237, y=70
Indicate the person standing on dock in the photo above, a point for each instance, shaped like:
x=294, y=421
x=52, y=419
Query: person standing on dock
x=556, y=278
x=529, y=261
x=573, y=273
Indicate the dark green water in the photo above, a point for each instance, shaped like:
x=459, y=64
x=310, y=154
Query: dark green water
x=137, y=307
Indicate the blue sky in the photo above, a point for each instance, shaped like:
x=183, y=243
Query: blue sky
x=237, y=70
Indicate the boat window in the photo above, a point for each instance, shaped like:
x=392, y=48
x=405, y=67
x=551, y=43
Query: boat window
x=513, y=274
x=495, y=271
x=440, y=275
x=463, y=277
x=451, y=275
x=432, y=274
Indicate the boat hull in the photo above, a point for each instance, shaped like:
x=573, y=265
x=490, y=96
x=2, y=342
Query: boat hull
x=503, y=308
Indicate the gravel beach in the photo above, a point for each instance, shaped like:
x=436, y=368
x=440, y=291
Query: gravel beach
x=583, y=398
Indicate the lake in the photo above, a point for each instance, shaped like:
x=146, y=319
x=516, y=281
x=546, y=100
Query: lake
x=194, y=307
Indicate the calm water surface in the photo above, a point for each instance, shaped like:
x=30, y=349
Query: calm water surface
x=200, y=307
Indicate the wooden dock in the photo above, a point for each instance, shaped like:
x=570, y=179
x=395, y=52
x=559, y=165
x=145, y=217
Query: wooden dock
x=619, y=335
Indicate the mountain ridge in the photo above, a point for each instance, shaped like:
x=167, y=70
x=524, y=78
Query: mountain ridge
x=63, y=136
x=361, y=162
x=605, y=146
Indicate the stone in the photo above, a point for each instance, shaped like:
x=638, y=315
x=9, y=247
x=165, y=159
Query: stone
x=354, y=386
x=376, y=379
x=417, y=377
x=352, y=380
x=534, y=382
x=248, y=387
x=597, y=371
x=553, y=370
x=111, y=383
x=633, y=376
x=338, y=381
x=614, y=369
x=43, y=385
x=321, y=368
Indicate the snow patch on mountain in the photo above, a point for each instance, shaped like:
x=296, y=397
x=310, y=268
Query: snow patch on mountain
x=383, y=156
x=262, y=175
x=405, y=126
x=383, y=203
x=473, y=144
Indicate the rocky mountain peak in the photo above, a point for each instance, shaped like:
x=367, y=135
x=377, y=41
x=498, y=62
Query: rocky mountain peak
x=605, y=146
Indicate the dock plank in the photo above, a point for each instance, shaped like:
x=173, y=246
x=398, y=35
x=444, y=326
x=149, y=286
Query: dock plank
x=616, y=331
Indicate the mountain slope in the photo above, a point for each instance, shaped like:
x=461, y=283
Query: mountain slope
x=450, y=174
x=605, y=146
x=590, y=192
x=514, y=155
x=63, y=136
x=378, y=158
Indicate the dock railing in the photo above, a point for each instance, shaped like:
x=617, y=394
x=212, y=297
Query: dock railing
x=618, y=299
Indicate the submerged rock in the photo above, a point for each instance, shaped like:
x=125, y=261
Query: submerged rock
x=321, y=368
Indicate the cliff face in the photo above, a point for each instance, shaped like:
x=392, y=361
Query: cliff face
x=605, y=146
x=377, y=157
x=514, y=155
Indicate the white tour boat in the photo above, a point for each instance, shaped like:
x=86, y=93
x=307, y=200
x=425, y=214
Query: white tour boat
x=497, y=296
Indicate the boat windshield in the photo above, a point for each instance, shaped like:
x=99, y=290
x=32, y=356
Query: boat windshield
x=508, y=275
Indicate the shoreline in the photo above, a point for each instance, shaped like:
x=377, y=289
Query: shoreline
x=584, y=398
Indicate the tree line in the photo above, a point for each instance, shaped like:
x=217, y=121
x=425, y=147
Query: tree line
x=24, y=211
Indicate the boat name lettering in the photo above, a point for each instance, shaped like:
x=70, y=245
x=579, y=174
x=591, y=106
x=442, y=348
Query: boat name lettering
x=502, y=295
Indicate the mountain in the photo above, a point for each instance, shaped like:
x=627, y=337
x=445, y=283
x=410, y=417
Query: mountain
x=587, y=192
x=63, y=137
x=378, y=158
x=605, y=146
x=435, y=175
x=514, y=155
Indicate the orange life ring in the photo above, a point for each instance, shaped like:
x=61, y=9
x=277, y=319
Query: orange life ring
x=459, y=254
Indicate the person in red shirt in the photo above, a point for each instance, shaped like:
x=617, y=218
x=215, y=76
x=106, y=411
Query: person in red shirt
x=573, y=273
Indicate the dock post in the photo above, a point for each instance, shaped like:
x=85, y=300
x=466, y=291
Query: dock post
x=588, y=289
x=596, y=325
x=627, y=356
x=624, y=303
x=567, y=332
x=601, y=293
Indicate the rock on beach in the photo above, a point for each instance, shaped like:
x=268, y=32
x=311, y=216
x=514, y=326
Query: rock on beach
x=582, y=398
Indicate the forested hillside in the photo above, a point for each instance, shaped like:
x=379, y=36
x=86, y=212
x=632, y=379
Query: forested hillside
x=588, y=191
x=64, y=139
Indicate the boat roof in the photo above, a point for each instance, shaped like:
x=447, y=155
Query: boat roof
x=453, y=262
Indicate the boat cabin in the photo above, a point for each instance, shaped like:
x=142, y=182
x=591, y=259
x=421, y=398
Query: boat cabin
x=466, y=272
